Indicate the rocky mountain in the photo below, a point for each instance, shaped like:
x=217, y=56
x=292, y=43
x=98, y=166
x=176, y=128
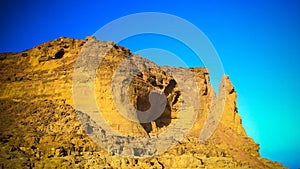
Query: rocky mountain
x=43, y=125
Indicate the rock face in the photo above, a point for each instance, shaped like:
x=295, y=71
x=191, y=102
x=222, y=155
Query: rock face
x=40, y=126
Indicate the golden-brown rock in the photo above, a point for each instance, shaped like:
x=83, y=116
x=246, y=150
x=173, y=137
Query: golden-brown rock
x=39, y=126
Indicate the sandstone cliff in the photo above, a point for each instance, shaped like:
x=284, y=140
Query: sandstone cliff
x=40, y=125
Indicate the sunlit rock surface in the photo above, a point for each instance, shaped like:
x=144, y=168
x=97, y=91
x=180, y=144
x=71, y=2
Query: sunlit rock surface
x=39, y=125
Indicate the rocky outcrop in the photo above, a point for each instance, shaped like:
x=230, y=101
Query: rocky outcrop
x=40, y=126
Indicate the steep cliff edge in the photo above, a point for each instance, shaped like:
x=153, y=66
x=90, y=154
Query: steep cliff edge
x=39, y=125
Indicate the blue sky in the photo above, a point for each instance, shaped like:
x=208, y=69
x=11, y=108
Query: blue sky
x=258, y=43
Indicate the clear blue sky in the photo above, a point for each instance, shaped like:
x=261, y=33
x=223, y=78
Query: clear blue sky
x=257, y=41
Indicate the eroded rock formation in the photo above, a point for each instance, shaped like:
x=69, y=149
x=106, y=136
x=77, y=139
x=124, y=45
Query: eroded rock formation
x=39, y=125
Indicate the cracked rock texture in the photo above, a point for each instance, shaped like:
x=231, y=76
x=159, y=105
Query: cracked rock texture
x=40, y=126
